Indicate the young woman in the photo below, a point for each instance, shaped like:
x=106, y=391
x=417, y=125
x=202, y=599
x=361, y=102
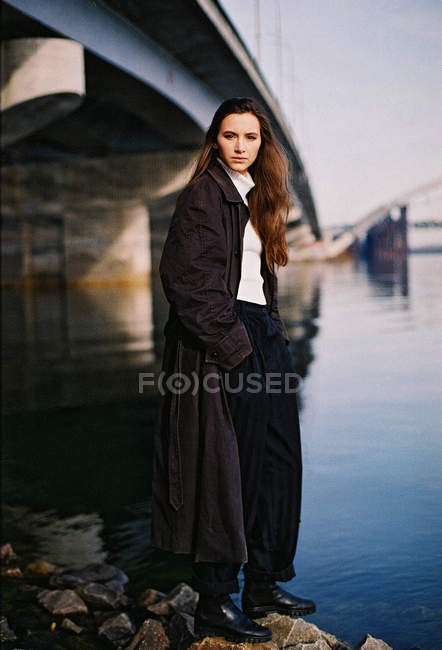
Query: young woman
x=227, y=465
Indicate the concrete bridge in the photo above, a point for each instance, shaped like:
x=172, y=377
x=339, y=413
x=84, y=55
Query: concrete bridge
x=104, y=106
x=381, y=232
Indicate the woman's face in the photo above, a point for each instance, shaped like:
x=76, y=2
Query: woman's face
x=239, y=140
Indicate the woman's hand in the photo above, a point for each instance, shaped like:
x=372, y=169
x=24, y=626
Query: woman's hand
x=192, y=270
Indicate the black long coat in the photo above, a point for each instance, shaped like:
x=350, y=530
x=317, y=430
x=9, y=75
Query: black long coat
x=196, y=488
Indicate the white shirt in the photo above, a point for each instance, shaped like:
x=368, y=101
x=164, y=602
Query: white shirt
x=251, y=282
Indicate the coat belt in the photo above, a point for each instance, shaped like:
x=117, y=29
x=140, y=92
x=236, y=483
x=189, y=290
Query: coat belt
x=175, y=466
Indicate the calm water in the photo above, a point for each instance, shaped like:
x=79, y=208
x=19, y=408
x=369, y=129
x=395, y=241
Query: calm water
x=76, y=478
x=370, y=546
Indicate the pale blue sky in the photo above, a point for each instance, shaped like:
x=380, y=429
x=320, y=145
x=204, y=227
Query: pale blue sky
x=361, y=88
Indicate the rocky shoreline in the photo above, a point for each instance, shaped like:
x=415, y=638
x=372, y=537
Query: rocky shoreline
x=60, y=607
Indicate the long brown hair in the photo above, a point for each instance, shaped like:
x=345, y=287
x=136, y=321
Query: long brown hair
x=269, y=200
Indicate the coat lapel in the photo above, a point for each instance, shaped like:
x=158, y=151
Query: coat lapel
x=230, y=192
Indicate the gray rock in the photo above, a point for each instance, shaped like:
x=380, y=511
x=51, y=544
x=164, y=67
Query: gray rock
x=290, y=632
x=219, y=643
x=91, y=573
x=102, y=615
x=117, y=629
x=7, y=555
x=41, y=567
x=12, y=572
x=181, y=631
x=287, y=631
x=182, y=598
x=67, y=579
x=6, y=633
x=59, y=601
x=30, y=590
x=116, y=586
x=150, y=636
x=150, y=597
x=321, y=644
x=162, y=608
x=370, y=643
x=335, y=643
x=67, y=624
x=99, y=595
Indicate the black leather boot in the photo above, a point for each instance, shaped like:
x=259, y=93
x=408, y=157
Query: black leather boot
x=260, y=599
x=219, y=616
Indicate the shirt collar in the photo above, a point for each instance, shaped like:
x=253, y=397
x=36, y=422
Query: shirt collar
x=242, y=182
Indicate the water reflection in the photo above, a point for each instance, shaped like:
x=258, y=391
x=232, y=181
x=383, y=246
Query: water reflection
x=77, y=238
x=71, y=345
x=74, y=346
x=68, y=541
x=299, y=292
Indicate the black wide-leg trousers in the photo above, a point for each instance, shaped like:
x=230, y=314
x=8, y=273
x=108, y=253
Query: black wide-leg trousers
x=262, y=397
